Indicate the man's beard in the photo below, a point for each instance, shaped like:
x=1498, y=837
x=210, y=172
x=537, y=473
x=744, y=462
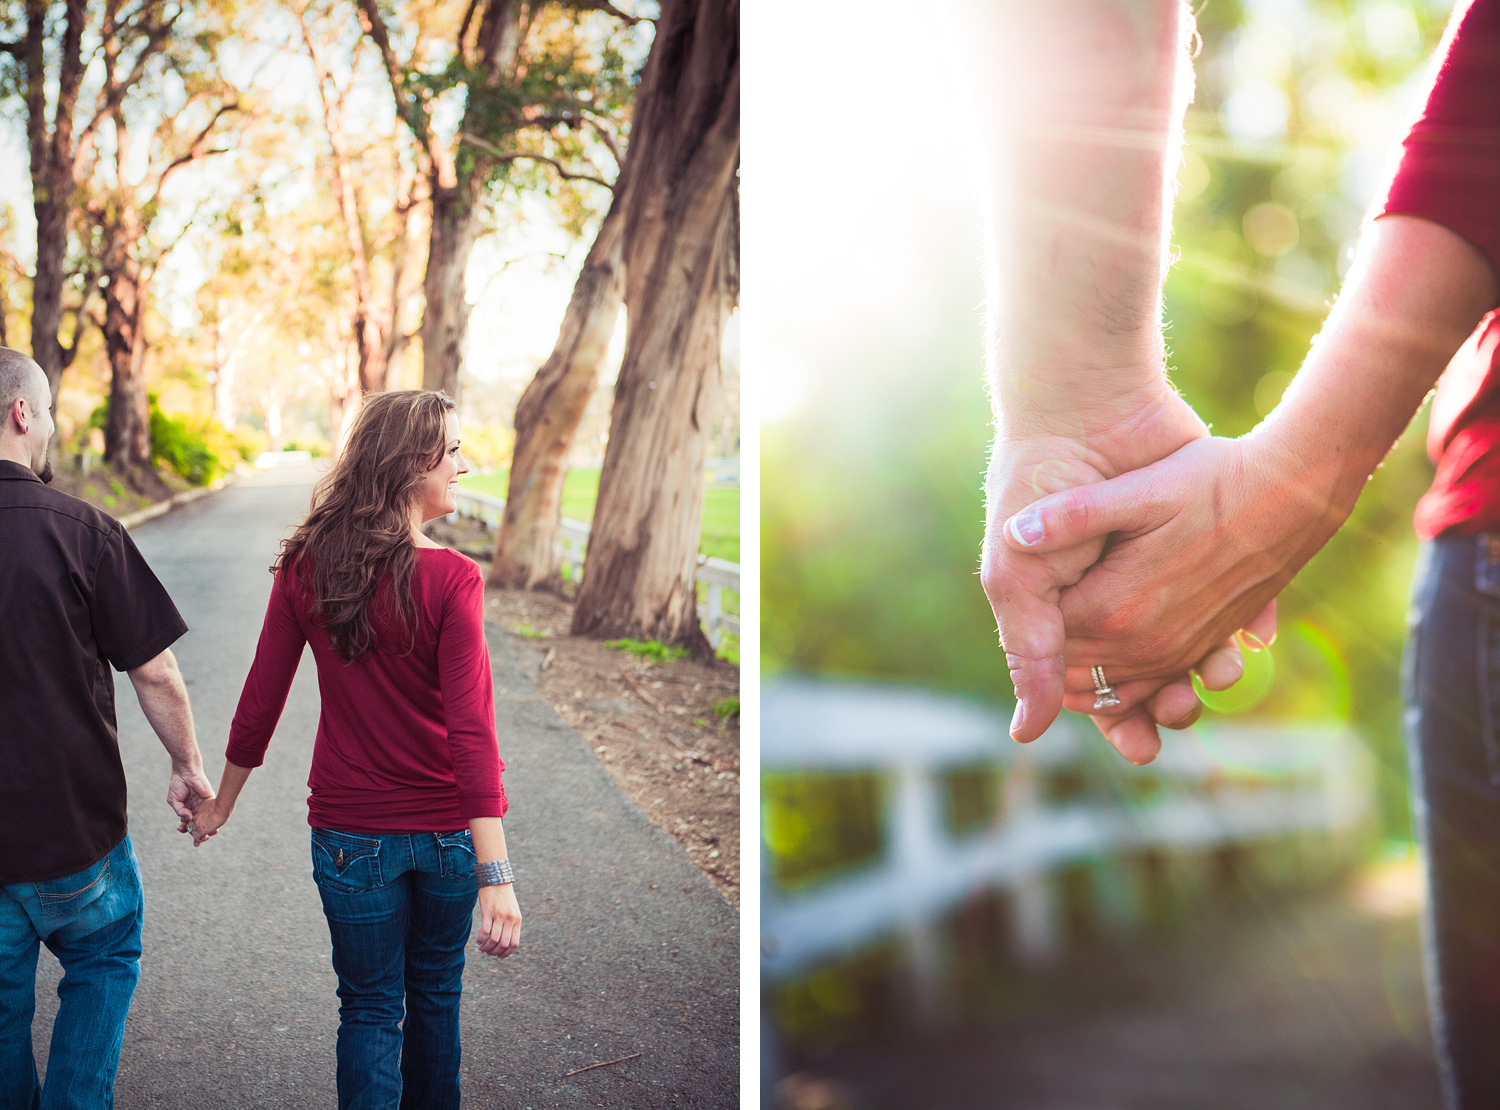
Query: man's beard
x=46, y=474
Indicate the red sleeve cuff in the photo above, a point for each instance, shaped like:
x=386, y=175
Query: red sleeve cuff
x=482, y=805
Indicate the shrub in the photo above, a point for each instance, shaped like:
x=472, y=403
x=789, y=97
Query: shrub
x=196, y=447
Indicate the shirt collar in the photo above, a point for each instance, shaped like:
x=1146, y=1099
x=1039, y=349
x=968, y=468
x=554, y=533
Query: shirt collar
x=15, y=472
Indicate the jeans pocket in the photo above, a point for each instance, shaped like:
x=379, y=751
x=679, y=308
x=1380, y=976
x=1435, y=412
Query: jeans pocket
x=456, y=850
x=345, y=863
x=71, y=894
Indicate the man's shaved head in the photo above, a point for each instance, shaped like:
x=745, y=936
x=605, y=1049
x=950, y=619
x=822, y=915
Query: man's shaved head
x=26, y=427
x=22, y=379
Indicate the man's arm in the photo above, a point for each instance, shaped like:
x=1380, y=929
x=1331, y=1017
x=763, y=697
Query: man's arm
x=164, y=699
x=1081, y=104
x=1208, y=535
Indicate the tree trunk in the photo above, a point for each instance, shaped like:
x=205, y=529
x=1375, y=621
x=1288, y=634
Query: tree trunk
x=528, y=553
x=445, y=316
x=127, y=434
x=680, y=281
x=345, y=396
x=47, y=287
x=52, y=176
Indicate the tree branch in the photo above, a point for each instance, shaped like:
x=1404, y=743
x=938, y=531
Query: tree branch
x=562, y=171
x=114, y=92
x=609, y=9
x=198, y=148
x=609, y=140
x=408, y=107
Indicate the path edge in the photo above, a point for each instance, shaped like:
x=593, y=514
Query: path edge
x=151, y=512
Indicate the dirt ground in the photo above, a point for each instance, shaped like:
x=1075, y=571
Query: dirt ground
x=116, y=492
x=652, y=724
x=1307, y=1003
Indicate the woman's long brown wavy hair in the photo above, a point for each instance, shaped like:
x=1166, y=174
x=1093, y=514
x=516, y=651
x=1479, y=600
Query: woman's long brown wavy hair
x=359, y=529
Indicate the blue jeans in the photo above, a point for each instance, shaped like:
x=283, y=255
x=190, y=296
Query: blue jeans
x=91, y=922
x=1452, y=690
x=399, y=906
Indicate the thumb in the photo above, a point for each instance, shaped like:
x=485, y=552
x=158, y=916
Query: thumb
x=1083, y=513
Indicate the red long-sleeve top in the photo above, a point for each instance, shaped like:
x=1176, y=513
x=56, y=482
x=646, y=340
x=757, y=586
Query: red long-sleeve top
x=1449, y=172
x=406, y=738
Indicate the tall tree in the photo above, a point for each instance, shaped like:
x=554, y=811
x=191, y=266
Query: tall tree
x=125, y=210
x=376, y=322
x=528, y=551
x=681, y=281
x=65, y=112
x=520, y=86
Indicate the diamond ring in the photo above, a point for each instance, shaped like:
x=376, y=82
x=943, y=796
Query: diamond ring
x=1104, y=694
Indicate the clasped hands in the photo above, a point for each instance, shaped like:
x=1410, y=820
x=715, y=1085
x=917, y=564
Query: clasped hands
x=1126, y=537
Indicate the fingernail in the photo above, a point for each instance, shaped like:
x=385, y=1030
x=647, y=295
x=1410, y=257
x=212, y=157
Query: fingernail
x=1252, y=641
x=1019, y=718
x=1027, y=528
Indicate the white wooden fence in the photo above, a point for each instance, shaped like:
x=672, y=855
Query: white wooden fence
x=1215, y=785
x=717, y=574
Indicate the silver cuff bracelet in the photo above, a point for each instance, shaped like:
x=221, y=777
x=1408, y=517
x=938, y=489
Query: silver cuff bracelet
x=494, y=872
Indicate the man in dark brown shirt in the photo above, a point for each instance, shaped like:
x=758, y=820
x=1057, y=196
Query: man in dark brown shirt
x=75, y=598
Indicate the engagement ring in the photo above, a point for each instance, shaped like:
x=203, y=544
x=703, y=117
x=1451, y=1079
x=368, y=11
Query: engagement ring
x=1104, y=694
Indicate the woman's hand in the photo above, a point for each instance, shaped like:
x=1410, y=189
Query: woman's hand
x=208, y=819
x=499, y=920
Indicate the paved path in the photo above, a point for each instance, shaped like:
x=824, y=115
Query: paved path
x=627, y=948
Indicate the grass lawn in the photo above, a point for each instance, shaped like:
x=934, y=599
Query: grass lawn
x=721, y=507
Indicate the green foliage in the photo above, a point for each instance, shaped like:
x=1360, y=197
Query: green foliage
x=818, y=825
x=729, y=707
x=649, y=649
x=525, y=631
x=197, y=448
x=315, y=448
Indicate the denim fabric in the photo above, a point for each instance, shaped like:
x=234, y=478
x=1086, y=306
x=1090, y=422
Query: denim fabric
x=91, y=922
x=1452, y=691
x=399, y=907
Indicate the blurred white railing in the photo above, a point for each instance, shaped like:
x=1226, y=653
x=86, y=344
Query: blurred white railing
x=1214, y=785
x=717, y=574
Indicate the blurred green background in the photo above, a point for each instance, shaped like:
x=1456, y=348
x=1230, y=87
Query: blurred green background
x=877, y=422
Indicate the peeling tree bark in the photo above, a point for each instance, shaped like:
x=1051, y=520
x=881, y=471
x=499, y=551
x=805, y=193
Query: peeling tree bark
x=528, y=553
x=681, y=279
x=127, y=434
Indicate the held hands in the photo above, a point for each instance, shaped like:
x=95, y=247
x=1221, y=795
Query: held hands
x=187, y=790
x=207, y=819
x=499, y=920
x=1206, y=538
x=1039, y=451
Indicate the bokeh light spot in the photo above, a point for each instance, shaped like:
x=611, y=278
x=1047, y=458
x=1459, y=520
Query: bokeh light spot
x=1248, y=692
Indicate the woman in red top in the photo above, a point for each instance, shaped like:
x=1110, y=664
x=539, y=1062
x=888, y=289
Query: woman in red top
x=406, y=795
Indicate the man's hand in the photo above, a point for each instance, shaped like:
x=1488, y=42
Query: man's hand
x=499, y=920
x=187, y=790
